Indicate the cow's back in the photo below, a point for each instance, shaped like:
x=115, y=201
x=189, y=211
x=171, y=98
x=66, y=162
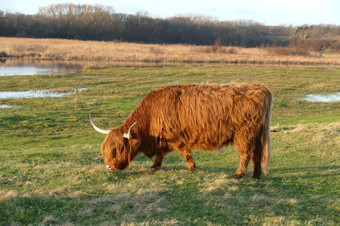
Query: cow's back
x=203, y=116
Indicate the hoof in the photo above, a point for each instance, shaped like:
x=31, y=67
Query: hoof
x=155, y=167
x=256, y=176
x=192, y=167
x=238, y=176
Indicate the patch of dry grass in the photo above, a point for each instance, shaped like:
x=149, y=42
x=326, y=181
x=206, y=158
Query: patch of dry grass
x=321, y=134
x=101, y=54
x=7, y=196
x=220, y=182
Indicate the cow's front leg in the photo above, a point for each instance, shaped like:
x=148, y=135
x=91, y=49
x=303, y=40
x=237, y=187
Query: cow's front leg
x=187, y=155
x=190, y=162
x=158, y=162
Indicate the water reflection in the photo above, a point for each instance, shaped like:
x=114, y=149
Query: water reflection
x=26, y=67
x=35, y=94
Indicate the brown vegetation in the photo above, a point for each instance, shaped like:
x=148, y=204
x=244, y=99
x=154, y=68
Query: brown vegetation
x=96, y=53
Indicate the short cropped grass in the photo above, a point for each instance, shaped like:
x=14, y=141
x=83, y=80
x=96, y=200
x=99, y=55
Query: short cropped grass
x=52, y=170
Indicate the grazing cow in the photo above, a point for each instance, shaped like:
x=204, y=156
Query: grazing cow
x=195, y=116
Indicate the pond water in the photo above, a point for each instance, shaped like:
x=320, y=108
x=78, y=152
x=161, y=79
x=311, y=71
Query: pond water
x=329, y=98
x=35, y=94
x=24, y=67
x=8, y=106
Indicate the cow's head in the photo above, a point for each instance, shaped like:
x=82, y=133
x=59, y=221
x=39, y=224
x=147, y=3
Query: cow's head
x=119, y=147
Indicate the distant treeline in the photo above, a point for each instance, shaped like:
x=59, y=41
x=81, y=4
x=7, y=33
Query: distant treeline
x=86, y=22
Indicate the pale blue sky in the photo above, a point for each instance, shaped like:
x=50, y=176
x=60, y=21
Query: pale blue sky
x=268, y=12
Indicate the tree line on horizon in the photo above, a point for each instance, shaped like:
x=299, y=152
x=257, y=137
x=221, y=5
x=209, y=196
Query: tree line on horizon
x=87, y=22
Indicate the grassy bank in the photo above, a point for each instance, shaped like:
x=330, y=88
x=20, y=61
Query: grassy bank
x=102, y=54
x=52, y=170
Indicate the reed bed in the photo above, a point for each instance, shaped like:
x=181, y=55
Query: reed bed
x=108, y=53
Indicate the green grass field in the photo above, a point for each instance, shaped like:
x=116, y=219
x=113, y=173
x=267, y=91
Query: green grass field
x=52, y=169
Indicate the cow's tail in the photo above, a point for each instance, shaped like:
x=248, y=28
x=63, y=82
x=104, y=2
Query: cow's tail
x=266, y=133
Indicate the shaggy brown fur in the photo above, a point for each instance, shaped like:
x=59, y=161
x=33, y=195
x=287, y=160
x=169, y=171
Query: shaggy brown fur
x=188, y=117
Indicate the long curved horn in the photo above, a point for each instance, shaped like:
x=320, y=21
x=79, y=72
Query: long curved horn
x=103, y=131
x=128, y=134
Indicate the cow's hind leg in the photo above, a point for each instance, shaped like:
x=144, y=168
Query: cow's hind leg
x=242, y=166
x=256, y=157
x=243, y=149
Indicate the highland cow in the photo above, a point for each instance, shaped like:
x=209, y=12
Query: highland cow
x=195, y=116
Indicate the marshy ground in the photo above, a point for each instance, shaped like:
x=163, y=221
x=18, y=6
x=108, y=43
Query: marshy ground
x=52, y=170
